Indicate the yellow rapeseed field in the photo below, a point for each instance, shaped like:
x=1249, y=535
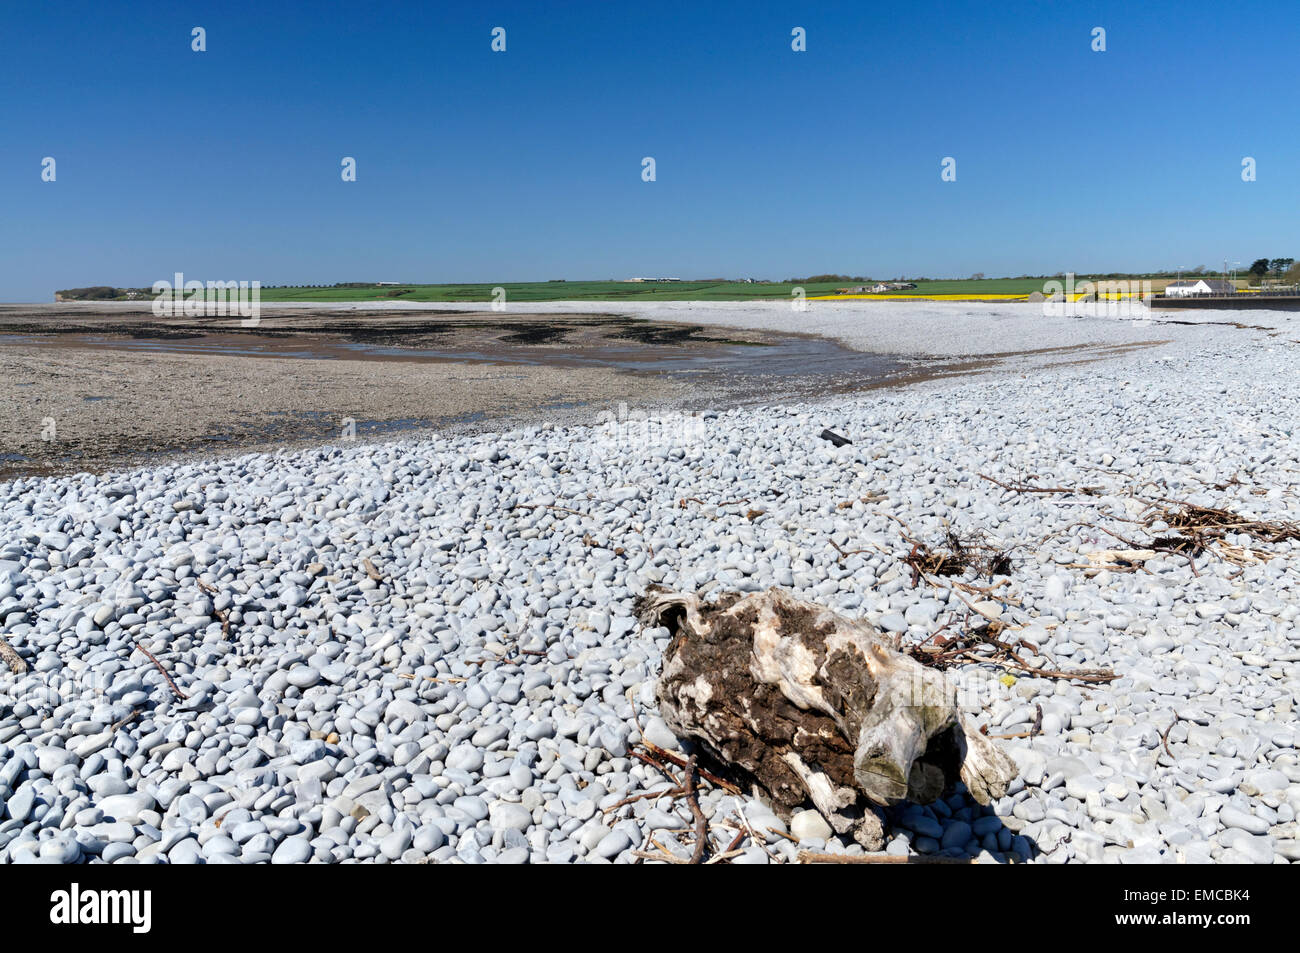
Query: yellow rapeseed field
x=1106, y=295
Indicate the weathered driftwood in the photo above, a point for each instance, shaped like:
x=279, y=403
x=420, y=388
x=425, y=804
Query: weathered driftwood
x=1119, y=558
x=11, y=658
x=815, y=706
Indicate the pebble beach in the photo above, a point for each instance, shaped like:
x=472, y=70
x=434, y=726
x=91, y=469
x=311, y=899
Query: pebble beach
x=425, y=651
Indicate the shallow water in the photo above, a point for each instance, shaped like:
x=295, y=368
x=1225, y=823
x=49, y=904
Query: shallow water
x=781, y=356
x=587, y=362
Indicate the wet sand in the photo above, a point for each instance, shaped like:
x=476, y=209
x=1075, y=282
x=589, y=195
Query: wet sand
x=92, y=387
x=96, y=387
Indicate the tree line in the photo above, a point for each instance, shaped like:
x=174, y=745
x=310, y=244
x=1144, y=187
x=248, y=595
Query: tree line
x=1272, y=267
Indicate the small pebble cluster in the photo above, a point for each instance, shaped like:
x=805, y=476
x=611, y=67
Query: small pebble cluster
x=425, y=651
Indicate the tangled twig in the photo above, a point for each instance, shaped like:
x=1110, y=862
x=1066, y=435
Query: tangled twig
x=973, y=644
x=955, y=555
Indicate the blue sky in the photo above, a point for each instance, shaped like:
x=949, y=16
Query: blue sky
x=526, y=165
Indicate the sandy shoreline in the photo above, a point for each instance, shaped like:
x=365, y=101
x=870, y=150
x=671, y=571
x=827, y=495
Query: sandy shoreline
x=91, y=387
x=122, y=389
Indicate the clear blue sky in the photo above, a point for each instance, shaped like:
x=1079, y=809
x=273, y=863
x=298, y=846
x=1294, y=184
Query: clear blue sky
x=526, y=165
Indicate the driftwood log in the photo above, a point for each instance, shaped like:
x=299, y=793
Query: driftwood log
x=811, y=705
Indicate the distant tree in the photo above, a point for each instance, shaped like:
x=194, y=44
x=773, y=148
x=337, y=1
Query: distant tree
x=1279, y=265
x=1292, y=275
x=95, y=293
x=1259, y=267
x=978, y=276
x=1198, y=270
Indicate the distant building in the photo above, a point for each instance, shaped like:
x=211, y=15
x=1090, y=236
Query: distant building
x=1200, y=286
x=384, y=284
x=881, y=287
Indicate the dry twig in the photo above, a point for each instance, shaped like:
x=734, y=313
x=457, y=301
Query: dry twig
x=223, y=615
x=644, y=795
x=701, y=822
x=125, y=721
x=158, y=665
x=682, y=762
x=1023, y=487
x=1164, y=736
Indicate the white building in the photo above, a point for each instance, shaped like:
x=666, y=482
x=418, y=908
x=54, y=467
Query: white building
x=1201, y=286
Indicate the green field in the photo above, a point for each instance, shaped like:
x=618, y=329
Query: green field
x=632, y=291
